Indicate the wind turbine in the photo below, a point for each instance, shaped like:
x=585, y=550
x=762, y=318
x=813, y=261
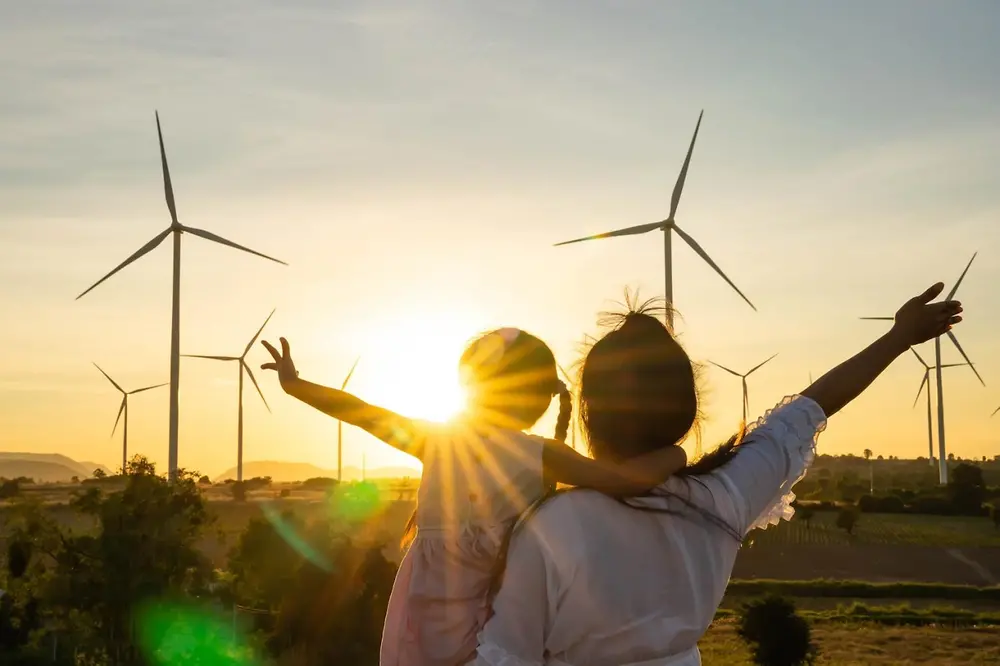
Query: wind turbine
x=175, y=229
x=926, y=382
x=667, y=226
x=743, y=378
x=241, y=367
x=340, y=427
x=943, y=461
x=124, y=410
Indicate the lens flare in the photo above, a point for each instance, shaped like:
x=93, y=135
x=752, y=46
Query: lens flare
x=179, y=634
x=287, y=532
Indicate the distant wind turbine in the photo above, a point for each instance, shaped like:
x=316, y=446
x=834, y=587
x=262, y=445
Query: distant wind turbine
x=241, y=368
x=340, y=427
x=570, y=385
x=667, y=226
x=743, y=379
x=124, y=410
x=926, y=381
x=175, y=229
x=942, y=457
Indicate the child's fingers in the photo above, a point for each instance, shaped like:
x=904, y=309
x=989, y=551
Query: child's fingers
x=930, y=293
x=269, y=366
x=284, y=347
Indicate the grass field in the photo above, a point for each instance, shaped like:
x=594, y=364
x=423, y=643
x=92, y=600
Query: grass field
x=883, y=529
x=859, y=644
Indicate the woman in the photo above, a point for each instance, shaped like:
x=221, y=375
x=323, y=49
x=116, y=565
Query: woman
x=589, y=580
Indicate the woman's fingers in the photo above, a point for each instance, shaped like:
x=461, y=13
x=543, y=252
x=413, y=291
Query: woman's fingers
x=269, y=366
x=930, y=293
x=284, y=347
x=270, y=348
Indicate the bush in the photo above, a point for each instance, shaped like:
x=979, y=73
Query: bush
x=319, y=483
x=874, y=504
x=239, y=491
x=285, y=492
x=775, y=633
x=9, y=489
x=847, y=519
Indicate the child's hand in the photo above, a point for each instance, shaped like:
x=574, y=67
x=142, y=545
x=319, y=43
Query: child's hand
x=282, y=362
x=920, y=320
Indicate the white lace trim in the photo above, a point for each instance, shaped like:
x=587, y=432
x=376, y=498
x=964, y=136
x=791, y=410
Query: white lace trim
x=798, y=421
x=492, y=654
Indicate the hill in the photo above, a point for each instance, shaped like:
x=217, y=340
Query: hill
x=39, y=472
x=43, y=467
x=281, y=471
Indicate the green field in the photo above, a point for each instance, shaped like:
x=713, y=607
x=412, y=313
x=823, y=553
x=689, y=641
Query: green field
x=882, y=529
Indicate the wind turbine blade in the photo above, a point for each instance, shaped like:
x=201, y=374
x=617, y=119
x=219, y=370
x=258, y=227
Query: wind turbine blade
x=966, y=357
x=995, y=412
x=628, y=231
x=349, y=374
x=113, y=382
x=157, y=239
x=259, y=332
x=922, y=362
x=722, y=367
x=148, y=388
x=954, y=365
x=566, y=377
x=951, y=294
x=168, y=188
x=924, y=381
x=214, y=358
x=255, y=385
x=704, y=255
x=208, y=235
x=756, y=367
x=878, y=318
x=679, y=185
x=120, y=410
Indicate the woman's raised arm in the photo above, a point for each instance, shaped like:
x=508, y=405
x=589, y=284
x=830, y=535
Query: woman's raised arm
x=776, y=454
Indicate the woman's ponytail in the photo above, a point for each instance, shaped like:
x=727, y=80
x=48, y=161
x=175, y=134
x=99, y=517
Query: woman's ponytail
x=565, y=412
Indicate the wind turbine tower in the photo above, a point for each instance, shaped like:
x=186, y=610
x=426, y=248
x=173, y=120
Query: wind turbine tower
x=927, y=382
x=176, y=229
x=124, y=410
x=942, y=449
x=340, y=427
x=668, y=226
x=241, y=368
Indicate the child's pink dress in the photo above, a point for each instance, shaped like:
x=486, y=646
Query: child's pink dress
x=475, y=483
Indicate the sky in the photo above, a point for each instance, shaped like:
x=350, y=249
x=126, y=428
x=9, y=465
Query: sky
x=414, y=163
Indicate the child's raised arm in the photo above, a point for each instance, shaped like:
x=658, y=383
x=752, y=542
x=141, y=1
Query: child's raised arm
x=631, y=477
x=918, y=320
x=393, y=429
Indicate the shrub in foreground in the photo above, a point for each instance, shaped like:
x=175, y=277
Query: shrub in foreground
x=775, y=633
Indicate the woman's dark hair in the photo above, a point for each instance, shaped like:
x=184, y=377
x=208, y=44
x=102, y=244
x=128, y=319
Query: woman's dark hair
x=638, y=393
x=511, y=377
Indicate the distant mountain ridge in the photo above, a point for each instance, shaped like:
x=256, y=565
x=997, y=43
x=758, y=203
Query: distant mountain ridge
x=45, y=467
x=282, y=471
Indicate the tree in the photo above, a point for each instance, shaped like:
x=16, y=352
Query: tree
x=847, y=518
x=775, y=633
x=9, y=489
x=99, y=473
x=204, y=481
x=995, y=515
x=966, y=489
x=144, y=548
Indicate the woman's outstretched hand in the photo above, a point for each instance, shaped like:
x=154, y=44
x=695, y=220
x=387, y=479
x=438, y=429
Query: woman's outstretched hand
x=920, y=320
x=283, y=363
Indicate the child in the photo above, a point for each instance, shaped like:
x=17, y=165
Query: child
x=480, y=472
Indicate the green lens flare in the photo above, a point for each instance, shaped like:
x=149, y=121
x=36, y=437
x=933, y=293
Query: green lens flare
x=181, y=634
x=356, y=502
x=292, y=538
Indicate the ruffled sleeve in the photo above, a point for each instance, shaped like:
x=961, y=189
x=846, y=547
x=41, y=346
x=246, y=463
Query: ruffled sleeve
x=773, y=456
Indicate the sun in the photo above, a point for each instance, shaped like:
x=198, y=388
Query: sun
x=412, y=368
